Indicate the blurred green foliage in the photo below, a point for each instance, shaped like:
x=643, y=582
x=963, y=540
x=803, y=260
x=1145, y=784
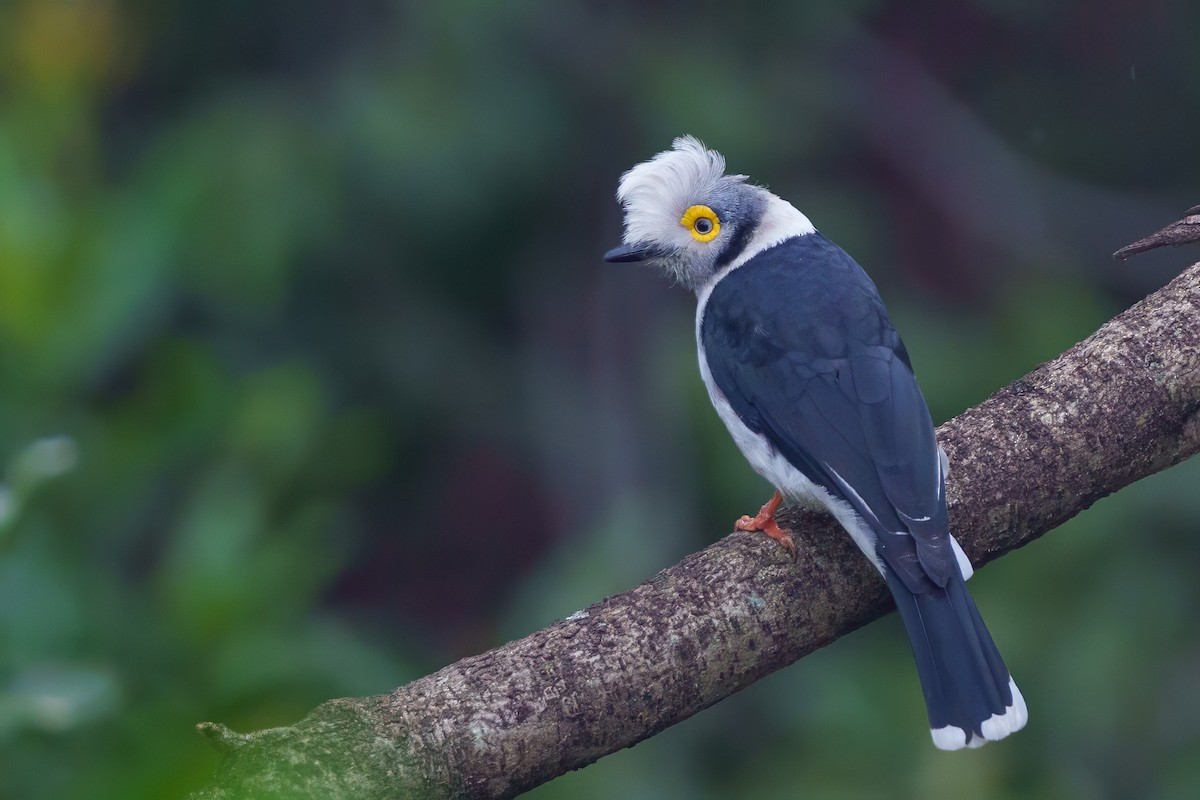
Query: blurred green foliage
x=311, y=379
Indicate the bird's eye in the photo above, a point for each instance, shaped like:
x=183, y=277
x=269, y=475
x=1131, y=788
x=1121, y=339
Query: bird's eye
x=702, y=223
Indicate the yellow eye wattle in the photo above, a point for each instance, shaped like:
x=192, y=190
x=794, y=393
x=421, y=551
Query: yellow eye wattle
x=701, y=222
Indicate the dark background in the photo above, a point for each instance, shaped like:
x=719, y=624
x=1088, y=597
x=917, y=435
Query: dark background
x=312, y=379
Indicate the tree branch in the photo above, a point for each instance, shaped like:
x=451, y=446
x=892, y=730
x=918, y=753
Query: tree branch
x=1119, y=406
x=1184, y=231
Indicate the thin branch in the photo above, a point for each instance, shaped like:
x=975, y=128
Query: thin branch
x=1119, y=406
x=1184, y=231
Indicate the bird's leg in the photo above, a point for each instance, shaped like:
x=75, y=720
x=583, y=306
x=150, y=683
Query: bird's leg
x=765, y=522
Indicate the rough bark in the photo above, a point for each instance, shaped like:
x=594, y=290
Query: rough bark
x=1119, y=406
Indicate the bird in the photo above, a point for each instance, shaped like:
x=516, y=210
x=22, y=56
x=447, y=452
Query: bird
x=804, y=367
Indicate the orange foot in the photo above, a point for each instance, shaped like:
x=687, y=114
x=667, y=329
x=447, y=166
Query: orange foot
x=765, y=522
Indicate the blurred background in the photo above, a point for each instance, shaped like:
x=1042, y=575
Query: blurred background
x=312, y=380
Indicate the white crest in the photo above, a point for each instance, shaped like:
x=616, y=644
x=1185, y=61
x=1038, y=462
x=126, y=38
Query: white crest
x=655, y=193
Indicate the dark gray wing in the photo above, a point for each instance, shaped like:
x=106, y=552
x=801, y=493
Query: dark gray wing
x=800, y=344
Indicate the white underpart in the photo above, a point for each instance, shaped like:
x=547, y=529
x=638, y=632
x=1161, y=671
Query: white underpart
x=995, y=728
x=964, y=563
x=770, y=463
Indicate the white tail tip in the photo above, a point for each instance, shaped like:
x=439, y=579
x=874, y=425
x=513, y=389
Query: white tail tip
x=996, y=727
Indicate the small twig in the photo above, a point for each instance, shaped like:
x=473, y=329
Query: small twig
x=1185, y=231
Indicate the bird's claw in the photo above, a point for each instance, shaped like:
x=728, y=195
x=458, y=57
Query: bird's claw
x=764, y=522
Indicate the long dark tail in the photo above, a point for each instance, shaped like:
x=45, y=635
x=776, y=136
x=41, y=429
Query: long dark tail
x=971, y=697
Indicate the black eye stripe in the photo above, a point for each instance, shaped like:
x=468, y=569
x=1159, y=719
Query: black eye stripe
x=734, y=246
